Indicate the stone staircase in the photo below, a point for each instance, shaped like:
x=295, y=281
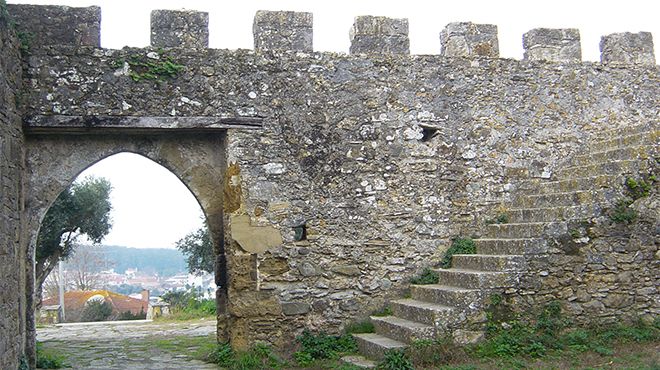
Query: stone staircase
x=542, y=208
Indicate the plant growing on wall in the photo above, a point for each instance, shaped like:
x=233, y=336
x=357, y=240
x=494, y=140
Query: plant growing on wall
x=81, y=209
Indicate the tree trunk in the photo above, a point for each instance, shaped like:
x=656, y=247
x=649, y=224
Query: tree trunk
x=42, y=270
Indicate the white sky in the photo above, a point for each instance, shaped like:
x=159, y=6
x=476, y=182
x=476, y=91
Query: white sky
x=153, y=209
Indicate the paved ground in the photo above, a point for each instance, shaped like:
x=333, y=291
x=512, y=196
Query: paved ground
x=139, y=345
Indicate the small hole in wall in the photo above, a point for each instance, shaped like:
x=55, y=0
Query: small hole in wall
x=300, y=232
x=428, y=133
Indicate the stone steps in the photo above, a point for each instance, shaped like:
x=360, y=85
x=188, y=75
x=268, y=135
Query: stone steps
x=555, y=199
x=551, y=214
x=401, y=329
x=374, y=346
x=613, y=167
x=510, y=246
x=526, y=230
x=646, y=137
x=425, y=312
x=359, y=362
x=537, y=187
x=446, y=295
x=635, y=152
x=474, y=279
x=488, y=262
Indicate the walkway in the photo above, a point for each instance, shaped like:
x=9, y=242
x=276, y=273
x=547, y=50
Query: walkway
x=139, y=345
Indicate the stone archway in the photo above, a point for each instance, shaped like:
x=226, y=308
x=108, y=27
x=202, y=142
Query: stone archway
x=198, y=160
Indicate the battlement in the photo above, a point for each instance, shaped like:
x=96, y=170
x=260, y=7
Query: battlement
x=293, y=31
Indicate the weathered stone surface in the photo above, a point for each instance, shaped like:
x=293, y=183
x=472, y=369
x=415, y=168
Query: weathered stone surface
x=253, y=239
x=57, y=25
x=379, y=35
x=383, y=158
x=179, y=29
x=295, y=308
x=348, y=270
x=553, y=45
x=14, y=340
x=467, y=39
x=627, y=48
x=283, y=31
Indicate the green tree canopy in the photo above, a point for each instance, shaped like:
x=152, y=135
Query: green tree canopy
x=198, y=249
x=81, y=209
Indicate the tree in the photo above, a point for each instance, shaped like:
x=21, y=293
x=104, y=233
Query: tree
x=81, y=209
x=84, y=265
x=198, y=249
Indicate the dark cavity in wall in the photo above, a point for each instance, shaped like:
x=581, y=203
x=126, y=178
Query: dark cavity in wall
x=300, y=232
x=428, y=133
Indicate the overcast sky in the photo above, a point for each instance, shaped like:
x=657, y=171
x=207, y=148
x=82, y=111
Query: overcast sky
x=152, y=208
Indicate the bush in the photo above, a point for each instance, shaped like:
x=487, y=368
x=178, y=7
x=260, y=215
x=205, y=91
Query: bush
x=360, y=327
x=186, y=305
x=96, y=311
x=458, y=246
x=396, y=360
x=323, y=346
x=258, y=357
x=427, y=276
x=49, y=360
x=128, y=315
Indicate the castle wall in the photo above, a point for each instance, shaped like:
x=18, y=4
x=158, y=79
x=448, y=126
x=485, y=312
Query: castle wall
x=12, y=256
x=367, y=164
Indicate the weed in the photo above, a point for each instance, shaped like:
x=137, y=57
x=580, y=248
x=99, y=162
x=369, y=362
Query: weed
x=396, y=360
x=322, y=346
x=622, y=213
x=258, y=357
x=458, y=246
x=639, y=188
x=145, y=68
x=47, y=359
x=502, y=218
x=360, y=327
x=427, y=276
x=386, y=311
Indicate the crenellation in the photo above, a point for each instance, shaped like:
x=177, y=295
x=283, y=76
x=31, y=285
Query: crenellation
x=379, y=35
x=467, y=39
x=281, y=30
x=552, y=45
x=627, y=48
x=58, y=25
x=179, y=29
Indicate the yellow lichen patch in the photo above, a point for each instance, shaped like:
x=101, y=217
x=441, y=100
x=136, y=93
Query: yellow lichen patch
x=232, y=188
x=253, y=239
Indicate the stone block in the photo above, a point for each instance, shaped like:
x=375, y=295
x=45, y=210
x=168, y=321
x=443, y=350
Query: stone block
x=179, y=29
x=57, y=25
x=467, y=39
x=552, y=45
x=379, y=35
x=283, y=31
x=627, y=48
x=295, y=308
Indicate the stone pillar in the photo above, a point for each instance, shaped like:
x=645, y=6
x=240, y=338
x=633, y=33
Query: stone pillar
x=467, y=39
x=283, y=31
x=57, y=25
x=552, y=45
x=627, y=48
x=379, y=35
x=179, y=29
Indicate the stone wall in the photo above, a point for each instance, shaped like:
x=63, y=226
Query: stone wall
x=12, y=257
x=367, y=164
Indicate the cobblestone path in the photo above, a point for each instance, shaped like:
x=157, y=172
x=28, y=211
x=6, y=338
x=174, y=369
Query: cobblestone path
x=128, y=345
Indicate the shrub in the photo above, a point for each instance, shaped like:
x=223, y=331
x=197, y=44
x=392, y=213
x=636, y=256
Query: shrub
x=386, y=311
x=186, y=305
x=322, y=346
x=49, y=360
x=360, y=327
x=458, y=246
x=128, y=315
x=427, y=276
x=396, y=360
x=622, y=213
x=96, y=311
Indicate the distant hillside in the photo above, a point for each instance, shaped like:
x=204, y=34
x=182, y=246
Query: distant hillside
x=164, y=262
